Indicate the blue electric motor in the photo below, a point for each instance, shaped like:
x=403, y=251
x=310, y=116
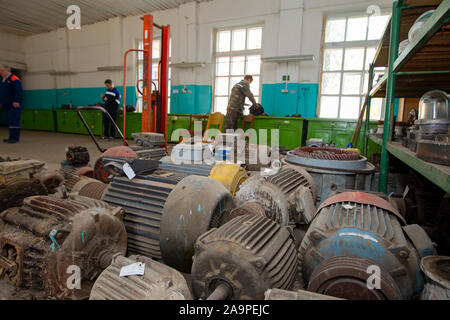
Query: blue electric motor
x=358, y=247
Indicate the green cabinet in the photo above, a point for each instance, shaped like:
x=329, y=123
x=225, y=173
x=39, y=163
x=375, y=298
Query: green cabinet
x=43, y=120
x=290, y=130
x=27, y=120
x=68, y=121
x=134, y=123
x=339, y=132
x=174, y=122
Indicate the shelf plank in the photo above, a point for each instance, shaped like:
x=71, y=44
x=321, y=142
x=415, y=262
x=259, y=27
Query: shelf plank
x=409, y=16
x=438, y=174
x=413, y=85
x=433, y=39
x=415, y=3
x=381, y=85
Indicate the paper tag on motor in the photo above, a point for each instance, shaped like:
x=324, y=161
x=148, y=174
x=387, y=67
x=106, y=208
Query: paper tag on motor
x=135, y=269
x=129, y=171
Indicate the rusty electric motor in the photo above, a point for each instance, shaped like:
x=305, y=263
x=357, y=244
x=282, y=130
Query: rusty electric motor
x=288, y=197
x=48, y=242
x=242, y=259
x=356, y=235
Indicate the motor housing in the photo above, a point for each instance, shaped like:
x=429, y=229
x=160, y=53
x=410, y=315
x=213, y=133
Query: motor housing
x=243, y=258
x=196, y=205
x=47, y=241
x=288, y=196
x=159, y=282
x=356, y=234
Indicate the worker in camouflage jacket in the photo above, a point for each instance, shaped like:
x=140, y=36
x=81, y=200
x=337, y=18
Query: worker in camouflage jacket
x=235, y=108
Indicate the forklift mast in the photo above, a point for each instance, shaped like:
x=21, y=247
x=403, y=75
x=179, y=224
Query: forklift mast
x=154, y=103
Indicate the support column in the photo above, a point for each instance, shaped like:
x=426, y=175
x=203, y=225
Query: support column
x=390, y=95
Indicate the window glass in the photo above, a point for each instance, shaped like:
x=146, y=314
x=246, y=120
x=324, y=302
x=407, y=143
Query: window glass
x=333, y=59
x=254, y=38
x=349, y=49
x=239, y=40
x=356, y=29
x=238, y=53
x=329, y=107
x=335, y=30
x=223, y=41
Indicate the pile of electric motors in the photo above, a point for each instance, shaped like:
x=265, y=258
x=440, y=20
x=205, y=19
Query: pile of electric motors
x=141, y=226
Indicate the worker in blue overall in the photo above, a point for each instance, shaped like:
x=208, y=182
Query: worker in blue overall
x=112, y=102
x=11, y=99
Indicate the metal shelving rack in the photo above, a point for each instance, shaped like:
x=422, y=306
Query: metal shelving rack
x=424, y=65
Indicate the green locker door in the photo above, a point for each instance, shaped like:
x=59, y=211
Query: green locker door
x=27, y=121
x=266, y=124
x=320, y=130
x=134, y=123
x=61, y=121
x=178, y=122
x=290, y=132
x=44, y=120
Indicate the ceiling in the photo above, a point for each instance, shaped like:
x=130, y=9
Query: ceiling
x=27, y=17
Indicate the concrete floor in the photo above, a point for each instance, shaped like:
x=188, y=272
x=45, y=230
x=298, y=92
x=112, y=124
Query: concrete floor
x=49, y=147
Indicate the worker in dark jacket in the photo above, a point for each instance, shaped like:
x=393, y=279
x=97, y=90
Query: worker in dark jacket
x=112, y=102
x=235, y=108
x=11, y=99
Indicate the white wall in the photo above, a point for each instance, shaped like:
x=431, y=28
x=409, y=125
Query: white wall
x=12, y=50
x=291, y=27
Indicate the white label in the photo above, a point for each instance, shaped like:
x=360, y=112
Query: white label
x=135, y=269
x=129, y=171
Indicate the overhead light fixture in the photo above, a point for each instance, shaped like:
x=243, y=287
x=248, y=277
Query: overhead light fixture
x=188, y=65
x=306, y=57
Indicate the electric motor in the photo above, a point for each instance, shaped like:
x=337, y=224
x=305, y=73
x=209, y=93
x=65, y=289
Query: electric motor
x=89, y=188
x=77, y=156
x=49, y=242
x=143, y=200
x=242, y=259
x=159, y=282
x=14, y=191
x=333, y=169
x=100, y=172
x=165, y=212
x=194, y=206
x=356, y=235
x=288, y=196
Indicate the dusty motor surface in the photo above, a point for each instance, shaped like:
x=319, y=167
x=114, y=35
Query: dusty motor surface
x=159, y=282
x=242, y=259
x=355, y=234
x=19, y=180
x=288, y=197
x=48, y=242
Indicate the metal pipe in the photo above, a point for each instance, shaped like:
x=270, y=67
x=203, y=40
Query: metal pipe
x=89, y=129
x=222, y=292
x=369, y=103
x=390, y=95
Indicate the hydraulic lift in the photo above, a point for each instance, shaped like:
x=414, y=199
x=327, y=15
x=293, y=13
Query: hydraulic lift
x=154, y=102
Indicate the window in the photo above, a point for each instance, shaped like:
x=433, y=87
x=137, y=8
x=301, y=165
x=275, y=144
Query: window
x=156, y=57
x=238, y=53
x=350, y=47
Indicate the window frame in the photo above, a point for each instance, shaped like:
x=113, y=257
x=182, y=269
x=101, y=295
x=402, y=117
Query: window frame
x=345, y=45
x=246, y=53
